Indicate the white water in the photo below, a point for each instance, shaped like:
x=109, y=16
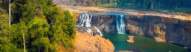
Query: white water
x=85, y=20
x=98, y=31
x=89, y=31
x=120, y=23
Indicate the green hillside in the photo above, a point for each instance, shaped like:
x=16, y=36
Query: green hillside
x=42, y=24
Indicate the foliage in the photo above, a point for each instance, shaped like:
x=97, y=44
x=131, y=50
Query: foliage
x=43, y=24
x=140, y=4
x=74, y=13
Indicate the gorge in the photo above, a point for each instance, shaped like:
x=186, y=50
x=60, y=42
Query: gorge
x=168, y=26
x=95, y=25
x=172, y=30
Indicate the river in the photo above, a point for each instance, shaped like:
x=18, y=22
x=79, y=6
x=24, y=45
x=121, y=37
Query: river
x=142, y=44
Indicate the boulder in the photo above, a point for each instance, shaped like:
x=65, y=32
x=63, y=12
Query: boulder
x=85, y=42
x=157, y=39
x=131, y=39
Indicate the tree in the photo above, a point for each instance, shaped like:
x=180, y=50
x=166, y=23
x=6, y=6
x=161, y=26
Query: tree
x=35, y=20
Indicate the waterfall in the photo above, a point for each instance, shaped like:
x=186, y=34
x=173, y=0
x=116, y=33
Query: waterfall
x=85, y=20
x=89, y=31
x=98, y=31
x=120, y=23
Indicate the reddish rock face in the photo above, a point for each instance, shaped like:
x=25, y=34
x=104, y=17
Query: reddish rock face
x=85, y=42
x=169, y=29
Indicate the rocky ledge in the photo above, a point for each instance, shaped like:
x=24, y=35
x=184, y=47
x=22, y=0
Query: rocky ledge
x=88, y=43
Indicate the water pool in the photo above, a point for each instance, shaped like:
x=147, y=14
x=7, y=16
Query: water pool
x=142, y=44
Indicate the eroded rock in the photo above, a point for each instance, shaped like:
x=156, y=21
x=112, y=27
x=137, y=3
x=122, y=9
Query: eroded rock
x=85, y=42
x=131, y=39
x=159, y=39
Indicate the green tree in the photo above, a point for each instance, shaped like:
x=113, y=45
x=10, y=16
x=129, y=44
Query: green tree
x=43, y=24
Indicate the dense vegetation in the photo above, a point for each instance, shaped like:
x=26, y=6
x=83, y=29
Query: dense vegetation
x=138, y=4
x=147, y=4
x=43, y=25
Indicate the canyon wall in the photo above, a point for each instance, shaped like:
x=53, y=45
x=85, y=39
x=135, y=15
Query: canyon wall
x=170, y=29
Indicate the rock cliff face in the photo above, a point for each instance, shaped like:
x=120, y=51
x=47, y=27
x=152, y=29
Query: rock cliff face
x=105, y=23
x=170, y=29
x=88, y=43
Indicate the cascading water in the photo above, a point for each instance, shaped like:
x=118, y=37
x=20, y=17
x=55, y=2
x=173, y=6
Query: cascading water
x=89, y=31
x=85, y=20
x=120, y=23
x=98, y=31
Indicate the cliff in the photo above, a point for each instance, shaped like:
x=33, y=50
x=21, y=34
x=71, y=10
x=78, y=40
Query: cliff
x=172, y=30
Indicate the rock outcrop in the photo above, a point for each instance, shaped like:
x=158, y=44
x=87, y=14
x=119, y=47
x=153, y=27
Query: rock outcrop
x=159, y=39
x=131, y=39
x=168, y=29
x=88, y=43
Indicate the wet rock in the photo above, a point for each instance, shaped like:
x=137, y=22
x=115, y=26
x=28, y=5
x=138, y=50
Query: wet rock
x=131, y=39
x=159, y=39
x=135, y=30
x=185, y=47
x=165, y=29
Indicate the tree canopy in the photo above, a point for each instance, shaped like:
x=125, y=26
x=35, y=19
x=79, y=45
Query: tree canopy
x=141, y=4
x=43, y=24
